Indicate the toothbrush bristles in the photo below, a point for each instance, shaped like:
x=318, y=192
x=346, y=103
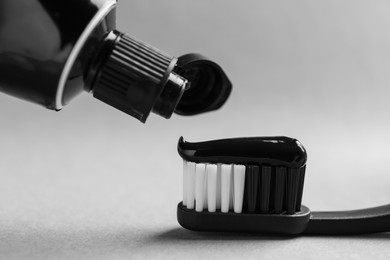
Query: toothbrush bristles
x=239, y=188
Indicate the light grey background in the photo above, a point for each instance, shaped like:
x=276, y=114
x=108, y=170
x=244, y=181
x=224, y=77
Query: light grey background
x=90, y=182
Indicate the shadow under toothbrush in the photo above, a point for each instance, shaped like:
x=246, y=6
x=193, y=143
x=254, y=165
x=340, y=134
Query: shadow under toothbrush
x=180, y=234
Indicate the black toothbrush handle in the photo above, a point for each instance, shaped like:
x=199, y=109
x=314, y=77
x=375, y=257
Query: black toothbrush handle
x=362, y=221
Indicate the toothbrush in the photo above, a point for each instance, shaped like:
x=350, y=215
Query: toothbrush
x=255, y=184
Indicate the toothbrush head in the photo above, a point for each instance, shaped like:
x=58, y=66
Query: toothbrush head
x=244, y=184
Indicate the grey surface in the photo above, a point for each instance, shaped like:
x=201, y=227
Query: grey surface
x=91, y=183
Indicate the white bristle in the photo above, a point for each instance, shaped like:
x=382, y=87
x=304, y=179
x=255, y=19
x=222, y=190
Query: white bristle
x=226, y=176
x=205, y=202
x=200, y=184
x=218, y=194
x=185, y=180
x=211, y=170
x=231, y=198
x=213, y=186
x=190, y=186
x=239, y=183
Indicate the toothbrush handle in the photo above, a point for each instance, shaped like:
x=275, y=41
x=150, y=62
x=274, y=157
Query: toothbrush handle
x=370, y=220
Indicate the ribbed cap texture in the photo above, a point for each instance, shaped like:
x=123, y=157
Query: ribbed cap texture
x=131, y=78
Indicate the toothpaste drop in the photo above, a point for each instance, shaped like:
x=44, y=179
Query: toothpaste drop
x=190, y=185
x=226, y=175
x=200, y=171
x=239, y=183
x=212, y=187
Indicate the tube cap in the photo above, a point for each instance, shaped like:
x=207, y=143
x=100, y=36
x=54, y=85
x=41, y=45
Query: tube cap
x=210, y=86
x=137, y=78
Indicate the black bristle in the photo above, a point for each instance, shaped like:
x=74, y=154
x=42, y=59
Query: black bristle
x=279, y=189
x=292, y=190
x=300, y=188
x=273, y=189
x=265, y=188
x=251, y=187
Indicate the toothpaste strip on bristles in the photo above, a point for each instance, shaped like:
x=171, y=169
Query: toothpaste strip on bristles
x=212, y=187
